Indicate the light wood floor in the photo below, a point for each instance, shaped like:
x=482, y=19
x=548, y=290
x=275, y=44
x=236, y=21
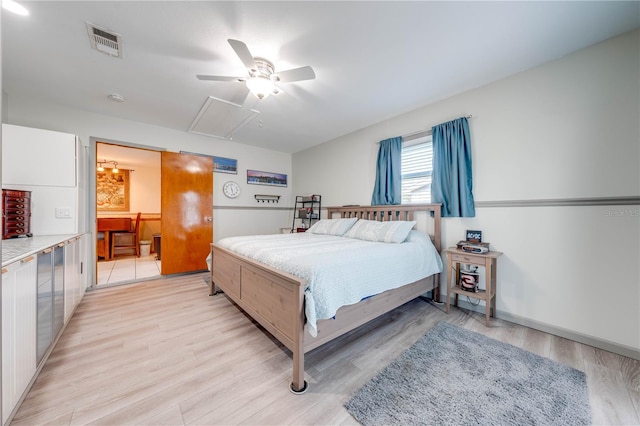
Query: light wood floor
x=164, y=352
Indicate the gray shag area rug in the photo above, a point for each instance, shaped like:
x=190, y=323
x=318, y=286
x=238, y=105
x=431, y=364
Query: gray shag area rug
x=454, y=376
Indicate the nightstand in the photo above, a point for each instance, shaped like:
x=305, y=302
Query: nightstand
x=489, y=261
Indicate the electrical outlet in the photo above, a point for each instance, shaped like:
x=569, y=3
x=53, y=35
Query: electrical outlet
x=63, y=213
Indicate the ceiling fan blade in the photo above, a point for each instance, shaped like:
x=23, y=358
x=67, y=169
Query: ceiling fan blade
x=220, y=78
x=241, y=96
x=296, y=74
x=243, y=53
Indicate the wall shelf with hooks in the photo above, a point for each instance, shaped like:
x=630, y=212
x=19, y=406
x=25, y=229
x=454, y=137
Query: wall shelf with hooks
x=262, y=198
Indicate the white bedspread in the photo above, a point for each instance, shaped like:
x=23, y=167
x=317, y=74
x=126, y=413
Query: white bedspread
x=340, y=271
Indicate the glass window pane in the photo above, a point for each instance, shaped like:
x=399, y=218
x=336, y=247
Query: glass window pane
x=416, y=172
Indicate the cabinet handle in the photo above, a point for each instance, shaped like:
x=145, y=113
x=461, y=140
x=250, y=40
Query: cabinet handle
x=61, y=245
x=27, y=259
x=48, y=250
x=5, y=270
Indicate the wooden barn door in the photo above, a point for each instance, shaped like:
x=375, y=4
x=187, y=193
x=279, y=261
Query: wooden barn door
x=187, y=212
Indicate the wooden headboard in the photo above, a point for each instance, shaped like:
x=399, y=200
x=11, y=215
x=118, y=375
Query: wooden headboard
x=395, y=212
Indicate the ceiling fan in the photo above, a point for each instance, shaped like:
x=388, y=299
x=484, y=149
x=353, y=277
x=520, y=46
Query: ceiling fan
x=262, y=77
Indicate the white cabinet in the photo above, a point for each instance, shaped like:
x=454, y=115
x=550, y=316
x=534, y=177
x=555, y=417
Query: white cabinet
x=86, y=241
x=18, y=330
x=37, y=157
x=46, y=163
x=39, y=294
x=45, y=304
x=73, y=270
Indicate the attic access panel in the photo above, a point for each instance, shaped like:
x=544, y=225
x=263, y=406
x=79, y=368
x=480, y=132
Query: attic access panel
x=221, y=119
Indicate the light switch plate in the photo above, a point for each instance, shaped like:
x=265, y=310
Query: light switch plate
x=63, y=212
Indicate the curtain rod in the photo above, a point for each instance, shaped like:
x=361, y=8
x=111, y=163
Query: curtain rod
x=421, y=133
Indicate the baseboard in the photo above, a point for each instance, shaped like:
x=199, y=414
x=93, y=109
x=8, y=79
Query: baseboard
x=556, y=331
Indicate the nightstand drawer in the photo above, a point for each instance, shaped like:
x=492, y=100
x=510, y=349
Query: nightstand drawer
x=467, y=258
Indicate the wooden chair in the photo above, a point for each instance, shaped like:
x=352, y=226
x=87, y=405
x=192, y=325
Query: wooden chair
x=127, y=240
x=100, y=246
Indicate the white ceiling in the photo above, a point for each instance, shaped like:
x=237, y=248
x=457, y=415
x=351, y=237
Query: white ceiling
x=127, y=158
x=373, y=60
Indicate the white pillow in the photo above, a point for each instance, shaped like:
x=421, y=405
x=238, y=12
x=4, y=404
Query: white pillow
x=387, y=232
x=332, y=226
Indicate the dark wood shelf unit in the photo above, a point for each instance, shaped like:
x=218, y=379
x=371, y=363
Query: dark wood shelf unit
x=16, y=213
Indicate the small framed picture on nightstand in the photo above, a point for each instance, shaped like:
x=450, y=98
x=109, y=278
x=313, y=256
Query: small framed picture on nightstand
x=474, y=236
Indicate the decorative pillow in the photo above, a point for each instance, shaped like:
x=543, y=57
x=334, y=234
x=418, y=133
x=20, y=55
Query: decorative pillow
x=332, y=226
x=386, y=232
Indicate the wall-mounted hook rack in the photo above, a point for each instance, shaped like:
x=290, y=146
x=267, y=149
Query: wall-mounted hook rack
x=262, y=198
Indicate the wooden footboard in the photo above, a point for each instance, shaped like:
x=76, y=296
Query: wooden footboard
x=353, y=316
x=275, y=299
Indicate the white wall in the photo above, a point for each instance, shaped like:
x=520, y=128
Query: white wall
x=565, y=130
x=40, y=114
x=144, y=188
x=144, y=184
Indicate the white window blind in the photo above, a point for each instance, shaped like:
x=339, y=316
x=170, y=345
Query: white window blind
x=417, y=163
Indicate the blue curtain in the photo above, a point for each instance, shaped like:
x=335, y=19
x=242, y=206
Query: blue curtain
x=388, y=187
x=451, y=183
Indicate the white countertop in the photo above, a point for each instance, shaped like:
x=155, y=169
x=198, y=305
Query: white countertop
x=15, y=249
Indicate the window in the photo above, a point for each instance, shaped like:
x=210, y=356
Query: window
x=417, y=155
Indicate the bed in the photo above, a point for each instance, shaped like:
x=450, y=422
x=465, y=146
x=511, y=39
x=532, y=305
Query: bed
x=278, y=295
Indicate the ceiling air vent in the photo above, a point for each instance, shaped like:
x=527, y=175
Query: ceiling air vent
x=105, y=41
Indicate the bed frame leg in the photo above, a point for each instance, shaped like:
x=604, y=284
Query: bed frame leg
x=298, y=384
x=295, y=391
x=214, y=289
x=436, y=290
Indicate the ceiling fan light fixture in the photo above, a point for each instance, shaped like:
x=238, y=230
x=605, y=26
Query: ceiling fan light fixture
x=262, y=78
x=261, y=86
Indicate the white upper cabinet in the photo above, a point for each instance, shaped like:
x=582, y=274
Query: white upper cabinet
x=37, y=157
